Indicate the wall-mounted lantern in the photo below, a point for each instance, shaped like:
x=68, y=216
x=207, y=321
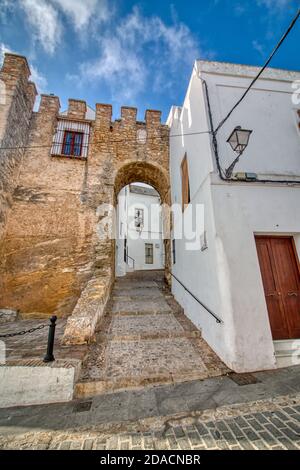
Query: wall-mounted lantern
x=238, y=140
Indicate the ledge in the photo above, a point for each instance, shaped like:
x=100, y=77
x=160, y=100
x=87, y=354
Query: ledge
x=68, y=157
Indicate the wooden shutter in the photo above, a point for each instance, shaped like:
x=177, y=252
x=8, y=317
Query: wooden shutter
x=185, y=183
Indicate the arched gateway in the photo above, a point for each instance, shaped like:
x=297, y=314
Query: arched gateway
x=56, y=253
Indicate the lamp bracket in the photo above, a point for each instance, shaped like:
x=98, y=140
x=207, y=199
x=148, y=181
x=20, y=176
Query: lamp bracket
x=229, y=170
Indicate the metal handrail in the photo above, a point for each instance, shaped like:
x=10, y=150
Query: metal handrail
x=132, y=259
x=218, y=319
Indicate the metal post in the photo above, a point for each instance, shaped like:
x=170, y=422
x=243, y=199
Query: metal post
x=49, y=356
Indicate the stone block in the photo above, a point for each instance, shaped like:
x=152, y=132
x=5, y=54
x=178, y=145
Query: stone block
x=44, y=383
x=7, y=315
x=77, y=109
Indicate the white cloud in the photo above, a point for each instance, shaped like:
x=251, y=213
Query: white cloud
x=5, y=7
x=3, y=49
x=44, y=22
x=38, y=78
x=45, y=19
x=278, y=4
x=142, y=52
x=81, y=13
x=258, y=47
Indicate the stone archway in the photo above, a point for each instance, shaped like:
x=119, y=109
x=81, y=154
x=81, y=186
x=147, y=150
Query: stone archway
x=155, y=176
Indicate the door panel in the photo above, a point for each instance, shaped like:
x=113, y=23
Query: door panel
x=276, y=312
x=288, y=274
x=281, y=281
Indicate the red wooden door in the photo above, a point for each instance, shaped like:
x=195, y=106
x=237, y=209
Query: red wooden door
x=281, y=280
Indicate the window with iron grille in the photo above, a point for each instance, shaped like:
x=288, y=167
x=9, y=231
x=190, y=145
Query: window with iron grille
x=149, y=253
x=72, y=144
x=71, y=139
x=139, y=218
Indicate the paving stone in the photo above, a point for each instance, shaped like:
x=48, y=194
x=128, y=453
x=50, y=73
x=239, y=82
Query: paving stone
x=290, y=434
x=268, y=438
x=289, y=410
x=252, y=436
x=88, y=444
x=65, y=445
x=179, y=432
x=245, y=444
x=241, y=422
x=255, y=424
x=295, y=427
x=261, y=445
x=287, y=444
x=235, y=429
x=261, y=418
x=273, y=430
x=202, y=430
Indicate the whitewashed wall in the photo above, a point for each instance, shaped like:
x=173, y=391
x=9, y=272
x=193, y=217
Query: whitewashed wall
x=151, y=233
x=226, y=276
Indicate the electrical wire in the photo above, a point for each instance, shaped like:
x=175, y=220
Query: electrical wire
x=292, y=24
x=30, y=147
x=214, y=132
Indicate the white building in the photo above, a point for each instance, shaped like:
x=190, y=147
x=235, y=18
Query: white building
x=139, y=239
x=247, y=271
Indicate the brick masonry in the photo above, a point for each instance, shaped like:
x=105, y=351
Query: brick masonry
x=269, y=426
x=52, y=207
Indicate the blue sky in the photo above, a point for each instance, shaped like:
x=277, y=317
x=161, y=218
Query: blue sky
x=141, y=53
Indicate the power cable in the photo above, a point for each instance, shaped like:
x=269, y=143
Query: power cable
x=29, y=147
x=292, y=24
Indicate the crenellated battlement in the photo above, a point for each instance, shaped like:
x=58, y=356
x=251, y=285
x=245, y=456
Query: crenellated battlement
x=15, y=65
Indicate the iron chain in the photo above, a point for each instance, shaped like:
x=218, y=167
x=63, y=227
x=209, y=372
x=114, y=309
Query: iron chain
x=24, y=332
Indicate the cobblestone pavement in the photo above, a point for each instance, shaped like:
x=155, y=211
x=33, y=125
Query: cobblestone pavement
x=273, y=425
x=145, y=338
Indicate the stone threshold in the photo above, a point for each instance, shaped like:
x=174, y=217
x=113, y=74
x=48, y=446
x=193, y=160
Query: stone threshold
x=144, y=312
x=150, y=336
x=89, y=389
x=32, y=362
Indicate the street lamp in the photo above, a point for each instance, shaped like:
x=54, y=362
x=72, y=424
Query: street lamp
x=238, y=140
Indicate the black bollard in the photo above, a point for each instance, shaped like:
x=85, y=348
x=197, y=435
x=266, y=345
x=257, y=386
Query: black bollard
x=49, y=356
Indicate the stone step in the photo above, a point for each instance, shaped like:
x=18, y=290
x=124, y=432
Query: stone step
x=134, y=284
x=137, y=293
x=100, y=387
x=287, y=352
x=286, y=344
x=287, y=358
x=146, y=336
x=149, y=326
x=140, y=307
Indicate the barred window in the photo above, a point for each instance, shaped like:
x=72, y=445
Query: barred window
x=139, y=218
x=71, y=139
x=72, y=144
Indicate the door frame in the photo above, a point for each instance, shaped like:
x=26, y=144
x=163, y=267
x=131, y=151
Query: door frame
x=289, y=236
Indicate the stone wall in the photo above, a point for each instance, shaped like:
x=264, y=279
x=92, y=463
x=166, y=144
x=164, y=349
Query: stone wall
x=53, y=248
x=17, y=100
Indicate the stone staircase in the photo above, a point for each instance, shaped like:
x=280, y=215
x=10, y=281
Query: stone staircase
x=287, y=352
x=145, y=339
